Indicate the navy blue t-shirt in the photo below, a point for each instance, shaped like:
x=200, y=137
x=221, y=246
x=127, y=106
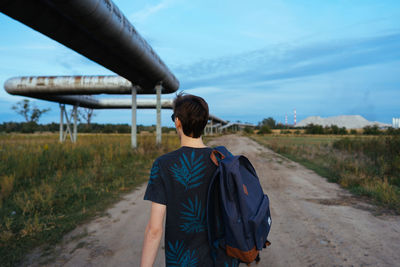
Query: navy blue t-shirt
x=180, y=181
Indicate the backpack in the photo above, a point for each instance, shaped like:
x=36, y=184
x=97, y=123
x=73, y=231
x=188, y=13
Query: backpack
x=238, y=214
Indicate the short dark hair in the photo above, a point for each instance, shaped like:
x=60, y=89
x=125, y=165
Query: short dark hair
x=192, y=111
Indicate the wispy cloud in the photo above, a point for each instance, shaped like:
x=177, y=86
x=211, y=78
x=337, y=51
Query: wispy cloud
x=287, y=62
x=150, y=10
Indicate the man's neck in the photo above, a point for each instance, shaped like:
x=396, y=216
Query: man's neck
x=192, y=142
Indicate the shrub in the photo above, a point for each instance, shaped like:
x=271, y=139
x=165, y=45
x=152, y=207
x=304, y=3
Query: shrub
x=371, y=130
x=383, y=152
x=264, y=130
x=314, y=129
x=393, y=131
x=353, y=131
x=364, y=165
x=248, y=130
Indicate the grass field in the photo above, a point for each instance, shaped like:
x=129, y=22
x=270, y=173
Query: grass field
x=48, y=188
x=368, y=166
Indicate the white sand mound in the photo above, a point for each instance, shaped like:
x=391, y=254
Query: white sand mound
x=348, y=121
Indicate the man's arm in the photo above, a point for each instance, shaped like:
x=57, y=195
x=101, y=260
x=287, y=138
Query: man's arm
x=153, y=234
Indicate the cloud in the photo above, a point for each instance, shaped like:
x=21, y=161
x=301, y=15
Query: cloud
x=149, y=10
x=288, y=62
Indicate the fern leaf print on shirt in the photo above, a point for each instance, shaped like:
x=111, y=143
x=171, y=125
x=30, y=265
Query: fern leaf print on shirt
x=189, y=174
x=234, y=263
x=154, y=173
x=177, y=255
x=193, y=216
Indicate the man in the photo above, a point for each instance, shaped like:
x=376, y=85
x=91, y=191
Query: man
x=178, y=186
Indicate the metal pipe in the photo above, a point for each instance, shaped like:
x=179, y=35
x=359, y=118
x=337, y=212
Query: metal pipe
x=134, y=127
x=158, y=126
x=98, y=30
x=67, y=85
x=106, y=103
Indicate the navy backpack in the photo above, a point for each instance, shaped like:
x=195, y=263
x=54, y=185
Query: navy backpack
x=238, y=214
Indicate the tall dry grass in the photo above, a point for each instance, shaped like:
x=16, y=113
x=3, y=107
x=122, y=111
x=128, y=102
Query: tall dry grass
x=368, y=166
x=47, y=188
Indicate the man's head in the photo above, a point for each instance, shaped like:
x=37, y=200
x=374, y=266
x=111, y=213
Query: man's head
x=192, y=112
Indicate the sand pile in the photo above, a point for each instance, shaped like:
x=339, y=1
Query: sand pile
x=348, y=121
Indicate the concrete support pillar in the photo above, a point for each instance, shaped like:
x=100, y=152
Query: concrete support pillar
x=158, y=126
x=68, y=130
x=134, y=127
x=62, y=107
x=75, y=112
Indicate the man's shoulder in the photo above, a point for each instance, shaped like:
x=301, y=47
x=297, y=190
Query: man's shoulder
x=176, y=154
x=173, y=155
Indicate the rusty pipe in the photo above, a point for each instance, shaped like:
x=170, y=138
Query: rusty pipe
x=67, y=85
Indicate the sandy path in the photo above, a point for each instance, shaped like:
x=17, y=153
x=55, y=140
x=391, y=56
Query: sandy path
x=315, y=223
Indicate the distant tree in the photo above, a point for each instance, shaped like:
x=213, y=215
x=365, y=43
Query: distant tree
x=264, y=130
x=248, y=130
x=342, y=131
x=280, y=126
x=270, y=122
x=353, y=131
x=86, y=114
x=314, y=129
x=393, y=131
x=371, y=130
x=29, y=111
x=335, y=129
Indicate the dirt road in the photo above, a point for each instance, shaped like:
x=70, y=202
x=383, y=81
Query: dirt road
x=314, y=223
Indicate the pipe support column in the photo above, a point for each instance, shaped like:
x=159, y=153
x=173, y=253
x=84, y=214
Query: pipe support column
x=134, y=126
x=75, y=112
x=158, y=126
x=61, y=122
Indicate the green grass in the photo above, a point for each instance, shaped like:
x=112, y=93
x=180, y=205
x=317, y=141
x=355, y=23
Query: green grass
x=367, y=166
x=48, y=188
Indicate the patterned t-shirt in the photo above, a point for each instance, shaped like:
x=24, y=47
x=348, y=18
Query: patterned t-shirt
x=180, y=181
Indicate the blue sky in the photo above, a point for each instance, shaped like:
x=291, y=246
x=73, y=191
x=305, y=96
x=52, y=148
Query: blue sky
x=249, y=60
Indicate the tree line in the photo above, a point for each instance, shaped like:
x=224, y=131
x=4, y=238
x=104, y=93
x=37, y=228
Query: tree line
x=266, y=126
x=31, y=113
x=29, y=127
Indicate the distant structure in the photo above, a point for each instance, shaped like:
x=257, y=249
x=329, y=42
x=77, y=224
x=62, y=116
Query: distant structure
x=285, y=119
x=235, y=126
x=396, y=123
x=348, y=121
x=294, y=118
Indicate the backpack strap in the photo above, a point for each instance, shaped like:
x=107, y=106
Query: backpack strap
x=216, y=156
x=219, y=153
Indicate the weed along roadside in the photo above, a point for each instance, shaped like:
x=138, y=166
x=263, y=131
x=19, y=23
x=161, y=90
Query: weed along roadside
x=48, y=188
x=367, y=166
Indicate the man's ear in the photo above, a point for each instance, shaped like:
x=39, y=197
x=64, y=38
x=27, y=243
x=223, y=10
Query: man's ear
x=178, y=123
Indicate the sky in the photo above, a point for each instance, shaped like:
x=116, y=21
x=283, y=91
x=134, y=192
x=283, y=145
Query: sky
x=248, y=59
